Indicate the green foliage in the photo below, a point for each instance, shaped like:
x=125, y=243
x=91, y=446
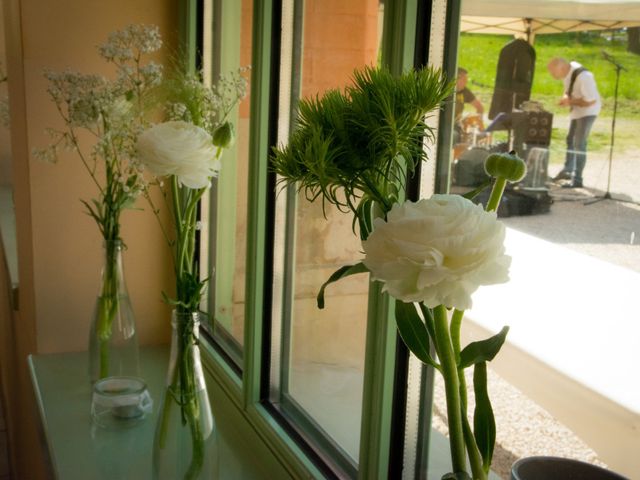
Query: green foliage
x=414, y=332
x=479, y=53
x=361, y=142
x=342, y=272
x=484, y=423
x=483, y=350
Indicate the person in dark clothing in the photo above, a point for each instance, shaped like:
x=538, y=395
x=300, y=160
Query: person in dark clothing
x=463, y=96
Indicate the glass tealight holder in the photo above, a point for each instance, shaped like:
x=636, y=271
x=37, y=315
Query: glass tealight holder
x=120, y=402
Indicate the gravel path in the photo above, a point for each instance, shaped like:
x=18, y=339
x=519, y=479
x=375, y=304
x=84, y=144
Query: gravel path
x=608, y=230
x=523, y=428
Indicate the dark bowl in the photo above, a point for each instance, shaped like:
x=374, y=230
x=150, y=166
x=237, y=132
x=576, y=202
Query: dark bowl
x=556, y=468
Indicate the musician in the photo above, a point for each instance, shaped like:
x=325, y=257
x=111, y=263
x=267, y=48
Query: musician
x=583, y=100
x=464, y=95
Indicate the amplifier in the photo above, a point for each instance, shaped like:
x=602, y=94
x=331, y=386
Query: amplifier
x=532, y=127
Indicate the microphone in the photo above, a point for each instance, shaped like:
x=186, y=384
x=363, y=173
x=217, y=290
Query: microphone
x=611, y=59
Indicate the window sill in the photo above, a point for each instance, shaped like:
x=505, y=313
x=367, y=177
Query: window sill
x=78, y=450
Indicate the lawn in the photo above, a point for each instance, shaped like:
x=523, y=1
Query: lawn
x=479, y=55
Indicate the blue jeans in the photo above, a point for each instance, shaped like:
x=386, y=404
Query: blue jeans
x=576, y=157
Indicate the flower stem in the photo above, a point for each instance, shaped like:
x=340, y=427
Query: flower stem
x=452, y=389
x=475, y=460
x=107, y=304
x=472, y=448
x=496, y=194
x=456, y=324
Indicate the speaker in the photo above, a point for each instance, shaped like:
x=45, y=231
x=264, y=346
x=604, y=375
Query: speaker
x=533, y=128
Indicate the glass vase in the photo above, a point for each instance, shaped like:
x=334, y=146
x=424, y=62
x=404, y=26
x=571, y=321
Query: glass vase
x=113, y=343
x=185, y=444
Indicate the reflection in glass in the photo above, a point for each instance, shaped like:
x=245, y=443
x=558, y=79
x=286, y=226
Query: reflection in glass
x=228, y=48
x=322, y=351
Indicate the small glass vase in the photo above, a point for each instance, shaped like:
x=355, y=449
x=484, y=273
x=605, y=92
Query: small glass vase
x=113, y=343
x=186, y=443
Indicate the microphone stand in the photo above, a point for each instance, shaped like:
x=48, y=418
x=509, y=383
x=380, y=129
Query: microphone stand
x=607, y=194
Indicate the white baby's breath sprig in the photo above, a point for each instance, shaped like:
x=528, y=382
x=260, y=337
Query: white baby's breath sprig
x=111, y=111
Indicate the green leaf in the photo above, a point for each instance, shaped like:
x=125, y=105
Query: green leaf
x=484, y=424
x=414, y=333
x=342, y=272
x=364, y=217
x=427, y=313
x=484, y=350
x=477, y=191
x=456, y=476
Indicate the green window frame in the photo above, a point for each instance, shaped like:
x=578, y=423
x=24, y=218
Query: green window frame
x=386, y=358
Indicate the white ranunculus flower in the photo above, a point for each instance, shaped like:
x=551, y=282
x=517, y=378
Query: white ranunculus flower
x=437, y=250
x=181, y=149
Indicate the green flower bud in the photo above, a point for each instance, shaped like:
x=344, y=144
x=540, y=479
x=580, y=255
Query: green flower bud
x=505, y=165
x=224, y=135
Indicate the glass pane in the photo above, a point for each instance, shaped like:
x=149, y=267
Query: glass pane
x=571, y=225
x=228, y=48
x=322, y=351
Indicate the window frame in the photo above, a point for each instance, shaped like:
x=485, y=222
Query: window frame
x=385, y=377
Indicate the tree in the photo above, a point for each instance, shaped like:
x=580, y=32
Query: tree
x=633, y=40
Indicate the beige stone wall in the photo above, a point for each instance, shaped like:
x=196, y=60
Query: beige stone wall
x=338, y=37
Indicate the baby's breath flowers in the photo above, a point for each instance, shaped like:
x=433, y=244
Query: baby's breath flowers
x=112, y=112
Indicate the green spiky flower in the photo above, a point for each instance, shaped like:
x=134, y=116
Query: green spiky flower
x=360, y=143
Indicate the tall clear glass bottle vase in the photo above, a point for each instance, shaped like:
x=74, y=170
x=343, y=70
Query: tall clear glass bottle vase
x=113, y=343
x=186, y=443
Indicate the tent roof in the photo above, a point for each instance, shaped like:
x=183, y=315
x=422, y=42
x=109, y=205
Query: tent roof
x=517, y=17
x=515, y=26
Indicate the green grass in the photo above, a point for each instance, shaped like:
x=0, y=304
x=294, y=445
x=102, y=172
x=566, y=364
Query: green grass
x=479, y=55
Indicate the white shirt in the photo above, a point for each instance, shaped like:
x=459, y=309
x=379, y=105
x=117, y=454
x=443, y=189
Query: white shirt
x=585, y=88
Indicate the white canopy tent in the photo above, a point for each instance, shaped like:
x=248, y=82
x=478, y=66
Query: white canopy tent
x=527, y=18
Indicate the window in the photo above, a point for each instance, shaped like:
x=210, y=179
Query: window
x=227, y=48
x=337, y=378
x=573, y=247
x=330, y=377
x=317, y=375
